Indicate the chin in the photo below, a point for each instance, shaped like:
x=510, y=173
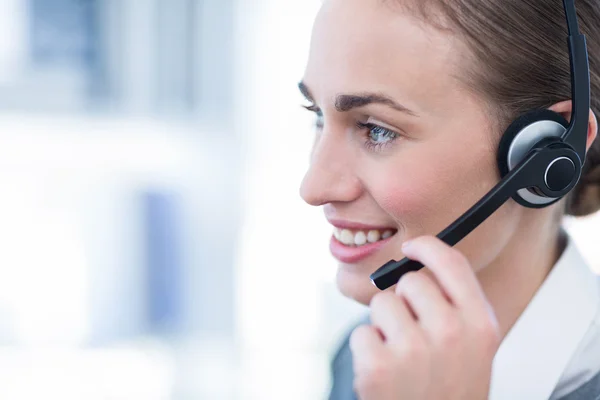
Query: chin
x=355, y=283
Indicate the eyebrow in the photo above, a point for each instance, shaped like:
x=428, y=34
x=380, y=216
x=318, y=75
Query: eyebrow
x=347, y=102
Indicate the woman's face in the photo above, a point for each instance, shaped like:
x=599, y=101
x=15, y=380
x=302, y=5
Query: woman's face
x=401, y=145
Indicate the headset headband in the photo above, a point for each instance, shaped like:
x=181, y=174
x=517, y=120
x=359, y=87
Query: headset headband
x=580, y=83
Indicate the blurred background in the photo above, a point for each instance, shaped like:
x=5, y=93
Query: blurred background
x=153, y=244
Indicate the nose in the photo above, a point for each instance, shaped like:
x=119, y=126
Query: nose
x=331, y=175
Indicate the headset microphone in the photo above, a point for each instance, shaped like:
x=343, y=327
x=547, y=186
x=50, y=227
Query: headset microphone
x=540, y=158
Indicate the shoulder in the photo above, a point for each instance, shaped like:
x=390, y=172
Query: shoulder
x=581, y=377
x=341, y=366
x=590, y=390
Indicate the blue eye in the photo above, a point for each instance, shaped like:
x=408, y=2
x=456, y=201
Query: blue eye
x=377, y=136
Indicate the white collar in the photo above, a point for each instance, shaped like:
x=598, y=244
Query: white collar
x=534, y=353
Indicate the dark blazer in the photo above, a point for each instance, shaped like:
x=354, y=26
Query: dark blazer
x=342, y=375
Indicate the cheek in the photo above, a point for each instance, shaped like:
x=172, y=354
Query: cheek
x=425, y=197
x=408, y=197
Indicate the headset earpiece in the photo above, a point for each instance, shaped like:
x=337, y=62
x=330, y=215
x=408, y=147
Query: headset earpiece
x=518, y=140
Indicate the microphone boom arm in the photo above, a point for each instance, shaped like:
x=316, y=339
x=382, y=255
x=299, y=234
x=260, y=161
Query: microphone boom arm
x=522, y=176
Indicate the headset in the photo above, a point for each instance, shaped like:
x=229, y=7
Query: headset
x=540, y=158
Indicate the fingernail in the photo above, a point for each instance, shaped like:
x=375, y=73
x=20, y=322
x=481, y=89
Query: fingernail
x=406, y=245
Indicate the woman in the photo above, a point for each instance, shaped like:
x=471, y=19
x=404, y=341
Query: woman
x=411, y=98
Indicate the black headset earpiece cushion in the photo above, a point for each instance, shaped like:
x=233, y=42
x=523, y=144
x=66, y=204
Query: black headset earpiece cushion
x=517, y=126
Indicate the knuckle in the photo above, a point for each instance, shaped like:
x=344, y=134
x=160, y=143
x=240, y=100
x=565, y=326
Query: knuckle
x=358, y=335
x=412, y=277
x=457, y=258
x=378, y=369
x=488, y=333
x=380, y=299
x=457, y=264
x=368, y=382
x=412, y=348
x=450, y=332
x=408, y=280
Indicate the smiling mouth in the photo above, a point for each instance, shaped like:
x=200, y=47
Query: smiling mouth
x=359, y=238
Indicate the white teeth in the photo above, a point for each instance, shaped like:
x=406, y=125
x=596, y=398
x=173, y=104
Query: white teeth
x=373, y=236
x=346, y=237
x=336, y=233
x=360, y=238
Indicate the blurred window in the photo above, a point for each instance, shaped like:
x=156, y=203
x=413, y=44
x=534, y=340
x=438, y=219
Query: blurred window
x=103, y=55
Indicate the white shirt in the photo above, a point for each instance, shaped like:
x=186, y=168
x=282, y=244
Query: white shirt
x=554, y=347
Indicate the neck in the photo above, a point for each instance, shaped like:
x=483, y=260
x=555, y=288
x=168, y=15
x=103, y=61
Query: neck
x=511, y=280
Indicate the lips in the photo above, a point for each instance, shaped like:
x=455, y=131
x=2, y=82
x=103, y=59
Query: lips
x=354, y=254
x=356, y=226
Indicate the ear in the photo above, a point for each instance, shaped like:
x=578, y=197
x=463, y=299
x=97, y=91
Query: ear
x=565, y=108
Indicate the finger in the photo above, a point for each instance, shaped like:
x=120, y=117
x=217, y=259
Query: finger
x=424, y=296
x=367, y=347
x=450, y=267
x=392, y=316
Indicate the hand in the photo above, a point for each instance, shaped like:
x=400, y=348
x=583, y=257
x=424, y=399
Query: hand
x=434, y=338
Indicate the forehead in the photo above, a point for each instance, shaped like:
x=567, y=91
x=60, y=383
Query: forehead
x=360, y=45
